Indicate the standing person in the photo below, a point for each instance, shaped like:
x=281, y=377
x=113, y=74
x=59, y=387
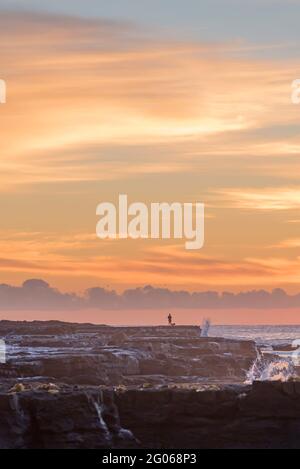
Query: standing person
x=170, y=319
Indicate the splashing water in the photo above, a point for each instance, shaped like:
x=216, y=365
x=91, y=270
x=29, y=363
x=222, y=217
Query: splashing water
x=274, y=370
x=205, y=327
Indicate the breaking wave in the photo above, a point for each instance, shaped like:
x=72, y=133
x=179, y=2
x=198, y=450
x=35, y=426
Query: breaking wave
x=270, y=370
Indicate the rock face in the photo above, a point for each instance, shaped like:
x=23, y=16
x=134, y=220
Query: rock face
x=264, y=415
x=86, y=418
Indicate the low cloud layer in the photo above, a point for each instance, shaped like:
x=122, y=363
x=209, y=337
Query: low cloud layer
x=36, y=294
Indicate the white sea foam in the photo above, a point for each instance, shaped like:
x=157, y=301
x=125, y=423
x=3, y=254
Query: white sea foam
x=270, y=370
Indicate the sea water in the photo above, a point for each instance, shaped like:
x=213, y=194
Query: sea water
x=262, y=335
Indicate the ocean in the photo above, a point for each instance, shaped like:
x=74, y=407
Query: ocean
x=262, y=335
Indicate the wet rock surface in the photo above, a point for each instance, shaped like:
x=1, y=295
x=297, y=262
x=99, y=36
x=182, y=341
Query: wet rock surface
x=264, y=415
x=35, y=417
x=91, y=354
x=88, y=386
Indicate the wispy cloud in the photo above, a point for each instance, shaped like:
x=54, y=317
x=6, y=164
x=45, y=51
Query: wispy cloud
x=75, y=255
x=282, y=198
x=88, y=83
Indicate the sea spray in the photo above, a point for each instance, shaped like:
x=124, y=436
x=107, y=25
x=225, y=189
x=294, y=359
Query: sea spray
x=263, y=369
x=205, y=327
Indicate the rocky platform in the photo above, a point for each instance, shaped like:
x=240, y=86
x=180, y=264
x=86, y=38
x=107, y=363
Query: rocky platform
x=104, y=355
x=87, y=386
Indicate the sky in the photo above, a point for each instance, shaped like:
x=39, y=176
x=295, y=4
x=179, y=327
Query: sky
x=168, y=101
x=254, y=21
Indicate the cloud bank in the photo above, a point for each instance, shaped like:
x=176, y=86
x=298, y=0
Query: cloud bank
x=36, y=294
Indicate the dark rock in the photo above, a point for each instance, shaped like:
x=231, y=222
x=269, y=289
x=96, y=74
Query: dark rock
x=171, y=400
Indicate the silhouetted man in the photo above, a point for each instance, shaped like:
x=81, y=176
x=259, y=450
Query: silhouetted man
x=170, y=319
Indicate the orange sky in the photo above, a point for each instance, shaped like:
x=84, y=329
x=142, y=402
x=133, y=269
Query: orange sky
x=98, y=108
x=159, y=317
